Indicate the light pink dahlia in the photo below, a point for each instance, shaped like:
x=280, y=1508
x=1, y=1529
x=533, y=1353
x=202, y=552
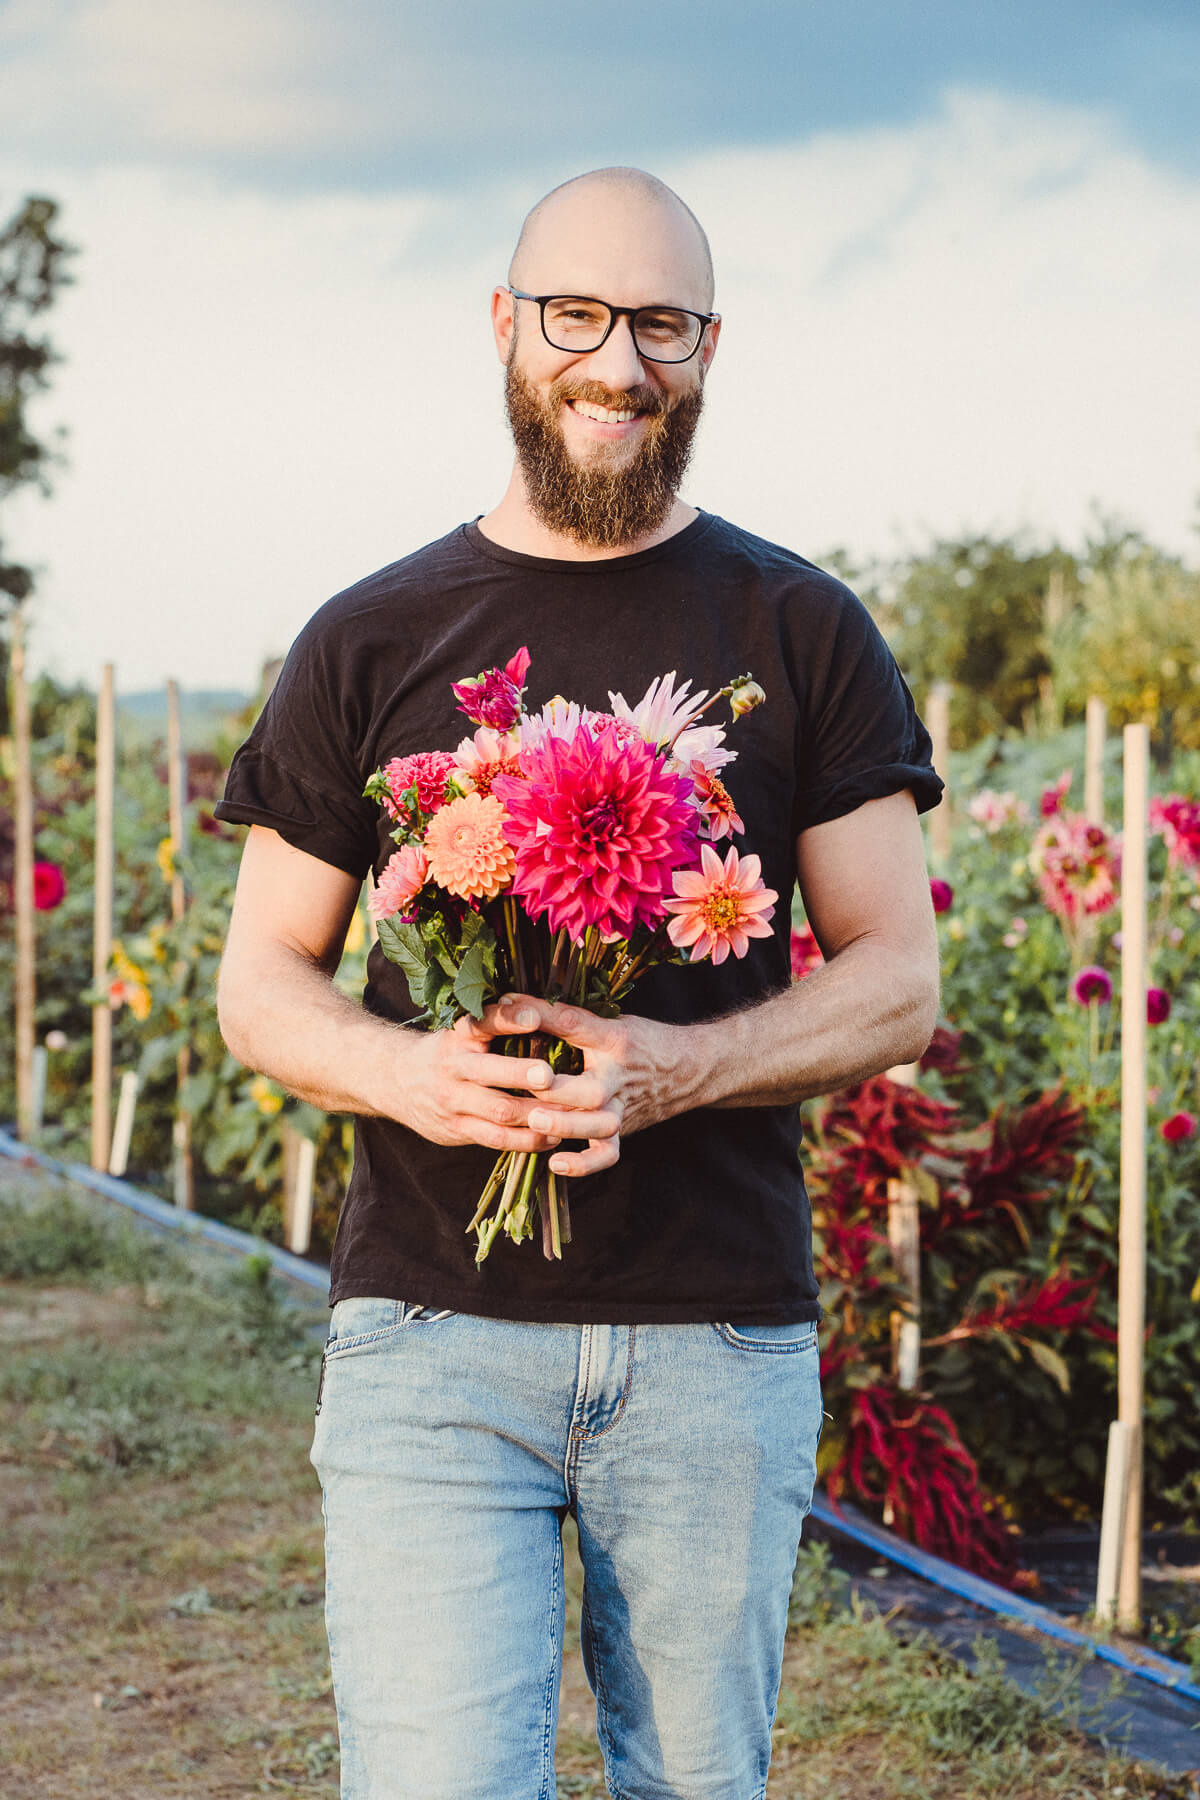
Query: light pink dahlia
x=599, y=826
x=479, y=759
x=720, y=906
x=427, y=771
x=400, y=881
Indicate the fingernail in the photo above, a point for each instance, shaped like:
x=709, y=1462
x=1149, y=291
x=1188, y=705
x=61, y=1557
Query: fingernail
x=539, y=1075
x=540, y=1121
x=559, y=1164
x=526, y=1020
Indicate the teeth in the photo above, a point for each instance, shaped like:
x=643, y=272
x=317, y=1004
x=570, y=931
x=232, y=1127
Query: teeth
x=602, y=414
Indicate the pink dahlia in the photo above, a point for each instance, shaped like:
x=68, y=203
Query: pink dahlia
x=1077, y=864
x=720, y=906
x=1178, y=821
x=494, y=697
x=49, y=886
x=714, y=804
x=469, y=854
x=806, y=953
x=401, y=880
x=426, y=771
x=599, y=825
x=1052, y=798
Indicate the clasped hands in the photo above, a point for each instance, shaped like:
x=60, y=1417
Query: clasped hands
x=464, y=1092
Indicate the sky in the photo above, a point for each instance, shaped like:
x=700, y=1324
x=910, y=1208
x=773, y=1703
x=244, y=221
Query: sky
x=957, y=255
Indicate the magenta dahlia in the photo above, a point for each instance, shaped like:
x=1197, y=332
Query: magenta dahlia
x=598, y=825
x=427, y=771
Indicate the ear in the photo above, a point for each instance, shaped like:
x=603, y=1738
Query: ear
x=708, y=348
x=503, y=306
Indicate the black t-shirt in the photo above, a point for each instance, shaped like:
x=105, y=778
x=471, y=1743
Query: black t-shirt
x=705, y=1216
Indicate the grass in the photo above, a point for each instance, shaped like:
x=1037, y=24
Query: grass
x=160, y=1597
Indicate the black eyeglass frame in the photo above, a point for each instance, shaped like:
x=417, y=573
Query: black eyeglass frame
x=542, y=301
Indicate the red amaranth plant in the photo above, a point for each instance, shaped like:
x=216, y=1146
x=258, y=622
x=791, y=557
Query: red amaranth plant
x=871, y=1133
x=1063, y=1303
x=903, y=1454
x=1033, y=1144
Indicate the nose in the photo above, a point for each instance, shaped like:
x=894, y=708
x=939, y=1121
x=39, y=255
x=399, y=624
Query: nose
x=617, y=363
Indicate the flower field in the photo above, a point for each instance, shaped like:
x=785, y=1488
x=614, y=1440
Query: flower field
x=1010, y=1134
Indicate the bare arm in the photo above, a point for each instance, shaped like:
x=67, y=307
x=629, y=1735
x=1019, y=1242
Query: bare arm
x=873, y=1004
x=280, y=1013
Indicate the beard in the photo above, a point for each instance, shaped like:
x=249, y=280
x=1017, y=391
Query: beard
x=599, y=506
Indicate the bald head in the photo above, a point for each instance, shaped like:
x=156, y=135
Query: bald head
x=615, y=229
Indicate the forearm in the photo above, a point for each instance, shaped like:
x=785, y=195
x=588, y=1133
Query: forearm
x=865, y=1010
x=281, y=1015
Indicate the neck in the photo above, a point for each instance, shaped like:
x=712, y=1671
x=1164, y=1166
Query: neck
x=515, y=526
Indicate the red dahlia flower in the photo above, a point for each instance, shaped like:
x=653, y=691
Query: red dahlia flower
x=1180, y=1125
x=49, y=886
x=1092, y=984
x=494, y=698
x=1158, y=1006
x=942, y=895
x=598, y=826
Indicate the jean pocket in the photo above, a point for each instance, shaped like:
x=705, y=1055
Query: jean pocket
x=413, y=1314
x=362, y=1321
x=772, y=1340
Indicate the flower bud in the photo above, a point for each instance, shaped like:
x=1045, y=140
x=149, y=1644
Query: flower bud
x=744, y=697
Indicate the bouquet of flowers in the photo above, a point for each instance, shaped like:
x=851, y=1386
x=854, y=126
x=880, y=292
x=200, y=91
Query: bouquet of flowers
x=561, y=853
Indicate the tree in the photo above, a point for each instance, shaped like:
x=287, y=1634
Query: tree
x=1135, y=639
x=980, y=613
x=32, y=270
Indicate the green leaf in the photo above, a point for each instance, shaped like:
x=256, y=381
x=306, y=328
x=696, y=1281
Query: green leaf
x=197, y=1091
x=1053, y=1364
x=402, y=943
x=473, y=979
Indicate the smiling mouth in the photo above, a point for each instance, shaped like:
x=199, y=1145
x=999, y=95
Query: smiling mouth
x=604, y=415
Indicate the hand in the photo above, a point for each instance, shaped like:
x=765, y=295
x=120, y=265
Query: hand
x=451, y=1086
x=630, y=1079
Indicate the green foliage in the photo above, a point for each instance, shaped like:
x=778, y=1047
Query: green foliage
x=32, y=270
x=974, y=612
x=1025, y=633
x=223, y=1340
x=1134, y=637
x=820, y=1591
x=58, y=1236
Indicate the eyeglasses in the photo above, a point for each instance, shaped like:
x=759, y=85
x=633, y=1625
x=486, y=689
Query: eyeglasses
x=662, y=334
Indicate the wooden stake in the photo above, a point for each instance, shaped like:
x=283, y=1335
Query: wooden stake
x=118, y=1161
x=1131, y=1290
x=904, y=1236
x=26, y=946
x=299, y=1169
x=184, y=1180
x=1122, y=1457
x=102, y=917
x=937, y=719
x=40, y=1059
x=1093, y=766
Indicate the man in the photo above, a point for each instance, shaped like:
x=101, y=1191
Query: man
x=661, y=1381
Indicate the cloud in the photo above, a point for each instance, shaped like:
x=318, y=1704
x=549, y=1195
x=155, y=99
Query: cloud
x=136, y=77
x=982, y=320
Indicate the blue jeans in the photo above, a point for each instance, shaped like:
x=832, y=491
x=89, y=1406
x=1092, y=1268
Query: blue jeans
x=450, y=1449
